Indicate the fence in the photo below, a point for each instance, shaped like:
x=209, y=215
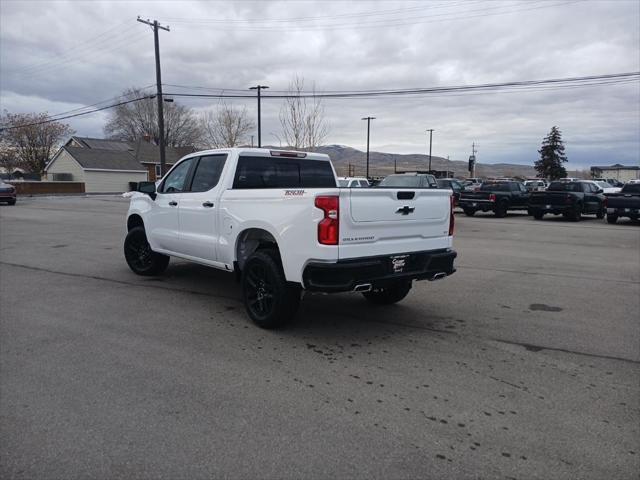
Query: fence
x=43, y=188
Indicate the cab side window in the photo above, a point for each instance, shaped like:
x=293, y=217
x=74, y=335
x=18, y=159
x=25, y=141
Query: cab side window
x=175, y=181
x=207, y=173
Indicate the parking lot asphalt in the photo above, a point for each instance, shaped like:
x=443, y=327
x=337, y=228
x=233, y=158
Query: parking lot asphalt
x=523, y=364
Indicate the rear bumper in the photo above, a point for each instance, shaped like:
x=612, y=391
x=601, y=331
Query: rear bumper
x=624, y=212
x=344, y=275
x=556, y=209
x=484, y=205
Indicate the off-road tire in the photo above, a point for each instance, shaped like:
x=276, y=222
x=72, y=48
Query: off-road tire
x=12, y=202
x=469, y=212
x=270, y=300
x=574, y=215
x=538, y=215
x=389, y=295
x=612, y=218
x=139, y=256
x=600, y=213
x=501, y=209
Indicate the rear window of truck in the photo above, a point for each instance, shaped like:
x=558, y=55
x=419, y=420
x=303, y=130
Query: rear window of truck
x=268, y=172
x=495, y=187
x=565, y=187
x=631, y=188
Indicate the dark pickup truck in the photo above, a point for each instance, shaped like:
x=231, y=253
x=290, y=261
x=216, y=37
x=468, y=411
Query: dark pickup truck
x=624, y=204
x=498, y=197
x=571, y=199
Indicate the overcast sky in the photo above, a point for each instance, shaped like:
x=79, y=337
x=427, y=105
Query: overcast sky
x=56, y=56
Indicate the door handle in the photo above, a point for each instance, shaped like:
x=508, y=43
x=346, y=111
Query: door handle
x=207, y=204
x=173, y=203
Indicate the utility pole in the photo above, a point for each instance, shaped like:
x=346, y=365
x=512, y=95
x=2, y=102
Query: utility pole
x=472, y=160
x=258, y=88
x=430, y=130
x=155, y=25
x=368, y=119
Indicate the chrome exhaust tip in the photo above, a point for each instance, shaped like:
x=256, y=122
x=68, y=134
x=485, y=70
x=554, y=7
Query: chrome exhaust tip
x=438, y=276
x=363, y=287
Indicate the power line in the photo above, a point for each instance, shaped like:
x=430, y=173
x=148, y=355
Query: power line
x=49, y=120
x=607, y=79
x=385, y=23
x=549, y=84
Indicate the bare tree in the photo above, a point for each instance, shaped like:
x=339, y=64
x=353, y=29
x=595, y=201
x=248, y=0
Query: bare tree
x=226, y=127
x=136, y=119
x=302, y=120
x=9, y=159
x=32, y=139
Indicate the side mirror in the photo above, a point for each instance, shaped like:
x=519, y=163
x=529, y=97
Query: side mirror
x=600, y=190
x=148, y=188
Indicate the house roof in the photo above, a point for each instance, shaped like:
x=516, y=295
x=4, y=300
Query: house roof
x=617, y=166
x=150, y=153
x=92, y=158
x=102, y=143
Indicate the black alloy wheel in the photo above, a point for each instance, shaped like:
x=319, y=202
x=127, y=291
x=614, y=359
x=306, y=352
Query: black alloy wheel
x=139, y=256
x=269, y=299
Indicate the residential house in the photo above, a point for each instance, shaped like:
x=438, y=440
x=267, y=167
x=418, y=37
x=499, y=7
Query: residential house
x=108, y=166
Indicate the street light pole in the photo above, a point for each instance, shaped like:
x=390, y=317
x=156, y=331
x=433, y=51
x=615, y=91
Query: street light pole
x=430, y=130
x=258, y=88
x=368, y=119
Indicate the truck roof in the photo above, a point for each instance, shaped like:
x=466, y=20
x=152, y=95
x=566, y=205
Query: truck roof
x=265, y=152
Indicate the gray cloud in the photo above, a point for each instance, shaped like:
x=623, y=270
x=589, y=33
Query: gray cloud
x=53, y=58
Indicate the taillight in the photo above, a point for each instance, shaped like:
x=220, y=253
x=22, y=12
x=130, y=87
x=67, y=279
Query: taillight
x=328, y=228
x=452, y=218
x=492, y=197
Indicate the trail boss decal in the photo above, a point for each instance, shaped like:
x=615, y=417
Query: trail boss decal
x=294, y=193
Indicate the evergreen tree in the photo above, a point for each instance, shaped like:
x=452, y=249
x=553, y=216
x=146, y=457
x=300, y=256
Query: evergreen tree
x=552, y=156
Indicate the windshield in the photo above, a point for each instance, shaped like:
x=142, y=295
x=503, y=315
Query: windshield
x=604, y=184
x=411, y=181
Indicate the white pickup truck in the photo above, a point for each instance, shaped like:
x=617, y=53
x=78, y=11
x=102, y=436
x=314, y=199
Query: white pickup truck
x=279, y=221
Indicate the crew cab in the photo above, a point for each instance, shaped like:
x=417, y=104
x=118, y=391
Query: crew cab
x=278, y=220
x=571, y=199
x=624, y=204
x=498, y=197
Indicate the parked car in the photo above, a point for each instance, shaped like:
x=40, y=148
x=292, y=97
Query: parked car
x=353, y=182
x=7, y=193
x=606, y=187
x=277, y=219
x=472, y=184
x=535, y=185
x=624, y=204
x=612, y=181
x=408, y=180
x=499, y=197
x=571, y=199
x=452, y=184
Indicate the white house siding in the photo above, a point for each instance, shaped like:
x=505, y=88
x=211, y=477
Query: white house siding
x=111, y=181
x=65, y=163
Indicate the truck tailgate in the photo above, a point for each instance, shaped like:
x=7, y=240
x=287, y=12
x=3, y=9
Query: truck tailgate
x=381, y=221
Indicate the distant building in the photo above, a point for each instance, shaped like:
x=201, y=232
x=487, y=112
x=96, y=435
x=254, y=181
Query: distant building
x=621, y=173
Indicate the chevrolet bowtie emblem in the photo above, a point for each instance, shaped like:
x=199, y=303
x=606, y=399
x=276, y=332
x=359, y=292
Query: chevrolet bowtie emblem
x=406, y=210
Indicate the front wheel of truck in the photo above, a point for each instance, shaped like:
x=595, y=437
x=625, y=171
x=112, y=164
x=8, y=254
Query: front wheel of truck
x=269, y=299
x=139, y=256
x=389, y=295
